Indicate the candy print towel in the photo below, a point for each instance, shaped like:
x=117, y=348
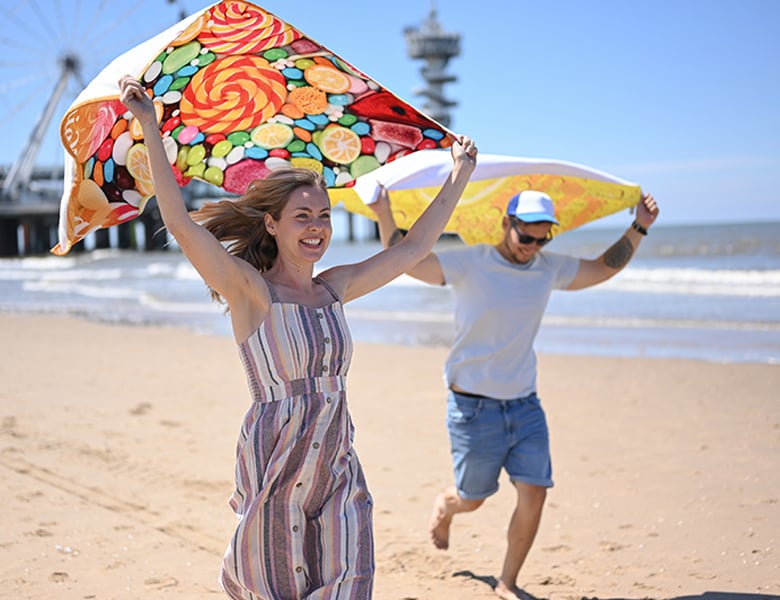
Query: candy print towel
x=238, y=92
x=580, y=194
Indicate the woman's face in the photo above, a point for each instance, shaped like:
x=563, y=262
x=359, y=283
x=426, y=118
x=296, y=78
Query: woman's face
x=304, y=228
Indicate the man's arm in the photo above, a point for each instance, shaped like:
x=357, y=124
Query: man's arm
x=617, y=256
x=428, y=269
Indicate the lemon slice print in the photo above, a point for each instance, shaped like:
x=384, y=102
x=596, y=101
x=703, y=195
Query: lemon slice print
x=272, y=135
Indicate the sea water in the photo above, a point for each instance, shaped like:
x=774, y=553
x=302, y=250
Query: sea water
x=709, y=292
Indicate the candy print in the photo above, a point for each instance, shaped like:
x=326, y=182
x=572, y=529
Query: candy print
x=339, y=144
x=138, y=167
x=272, y=135
x=233, y=94
x=241, y=28
x=327, y=78
x=239, y=93
x=84, y=131
x=308, y=100
x=238, y=176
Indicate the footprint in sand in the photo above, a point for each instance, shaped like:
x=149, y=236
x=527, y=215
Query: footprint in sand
x=29, y=496
x=159, y=583
x=41, y=532
x=611, y=546
x=560, y=579
x=140, y=409
x=10, y=426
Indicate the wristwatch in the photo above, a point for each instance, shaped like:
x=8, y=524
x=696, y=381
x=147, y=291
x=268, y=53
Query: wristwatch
x=637, y=227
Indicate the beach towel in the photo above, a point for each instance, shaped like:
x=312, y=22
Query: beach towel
x=580, y=193
x=239, y=92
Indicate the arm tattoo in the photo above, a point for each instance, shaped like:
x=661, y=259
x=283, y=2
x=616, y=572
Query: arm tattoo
x=395, y=237
x=619, y=254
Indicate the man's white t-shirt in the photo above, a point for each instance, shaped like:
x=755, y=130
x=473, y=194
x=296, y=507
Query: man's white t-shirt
x=498, y=309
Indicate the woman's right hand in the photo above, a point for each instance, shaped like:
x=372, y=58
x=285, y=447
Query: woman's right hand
x=133, y=95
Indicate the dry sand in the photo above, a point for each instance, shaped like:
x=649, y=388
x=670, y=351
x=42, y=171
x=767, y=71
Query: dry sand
x=116, y=461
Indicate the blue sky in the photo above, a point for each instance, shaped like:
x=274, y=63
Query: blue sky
x=680, y=96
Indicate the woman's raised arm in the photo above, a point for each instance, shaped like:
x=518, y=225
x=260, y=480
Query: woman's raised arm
x=224, y=273
x=353, y=281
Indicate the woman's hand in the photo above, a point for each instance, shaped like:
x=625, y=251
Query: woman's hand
x=464, y=151
x=133, y=95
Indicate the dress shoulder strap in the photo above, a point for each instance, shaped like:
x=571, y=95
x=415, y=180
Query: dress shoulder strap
x=271, y=290
x=320, y=280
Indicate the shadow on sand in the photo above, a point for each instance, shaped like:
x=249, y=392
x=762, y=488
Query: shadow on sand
x=491, y=581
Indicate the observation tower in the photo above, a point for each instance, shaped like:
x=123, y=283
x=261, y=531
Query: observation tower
x=436, y=47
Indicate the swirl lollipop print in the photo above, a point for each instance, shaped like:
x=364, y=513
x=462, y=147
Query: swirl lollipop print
x=235, y=93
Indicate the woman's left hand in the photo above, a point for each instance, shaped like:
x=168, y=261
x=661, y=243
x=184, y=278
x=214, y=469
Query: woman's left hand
x=465, y=150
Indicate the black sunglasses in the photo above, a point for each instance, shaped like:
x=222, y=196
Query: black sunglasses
x=526, y=239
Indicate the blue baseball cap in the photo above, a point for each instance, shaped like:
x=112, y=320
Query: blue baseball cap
x=531, y=206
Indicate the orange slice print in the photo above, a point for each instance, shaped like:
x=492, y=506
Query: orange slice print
x=339, y=144
x=138, y=166
x=328, y=79
x=135, y=126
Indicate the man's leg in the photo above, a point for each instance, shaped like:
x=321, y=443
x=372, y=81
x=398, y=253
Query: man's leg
x=478, y=446
x=522, y=530
x=446, y=506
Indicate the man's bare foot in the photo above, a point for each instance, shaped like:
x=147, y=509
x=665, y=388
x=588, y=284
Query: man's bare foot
x=506, y=592
x=439, y=527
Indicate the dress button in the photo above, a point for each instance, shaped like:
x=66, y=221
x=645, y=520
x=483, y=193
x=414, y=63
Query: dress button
x=315, y=445
x=299, y=484
x=327, y=340
x=319, y=314
x=328, y=400
x=325, y=369
x=295, y=528
x=298, y=569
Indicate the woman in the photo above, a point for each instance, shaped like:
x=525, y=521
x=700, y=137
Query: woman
x=303, y=505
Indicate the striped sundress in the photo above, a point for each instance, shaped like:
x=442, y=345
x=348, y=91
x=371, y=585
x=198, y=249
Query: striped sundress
x=301, y=497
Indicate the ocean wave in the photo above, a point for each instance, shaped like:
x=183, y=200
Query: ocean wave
x=64, y=275
x=141, y=298
x=573, y=321
x=702, y=282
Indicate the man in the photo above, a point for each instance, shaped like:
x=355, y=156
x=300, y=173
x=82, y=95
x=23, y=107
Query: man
x=494, y=416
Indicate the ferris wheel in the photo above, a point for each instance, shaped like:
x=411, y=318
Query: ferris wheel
x=49, y=50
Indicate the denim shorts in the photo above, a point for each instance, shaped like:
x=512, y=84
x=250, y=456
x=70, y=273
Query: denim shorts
x=487, y=435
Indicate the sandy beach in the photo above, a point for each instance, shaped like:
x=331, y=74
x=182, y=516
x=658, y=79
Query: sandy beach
x=116, y=461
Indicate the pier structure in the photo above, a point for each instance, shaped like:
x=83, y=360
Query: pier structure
x=29, y=204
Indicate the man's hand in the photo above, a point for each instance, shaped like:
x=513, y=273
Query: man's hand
x=381, y=206
x=646, y=211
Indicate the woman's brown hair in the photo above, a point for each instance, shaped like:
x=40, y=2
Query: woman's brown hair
x=240, y=224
